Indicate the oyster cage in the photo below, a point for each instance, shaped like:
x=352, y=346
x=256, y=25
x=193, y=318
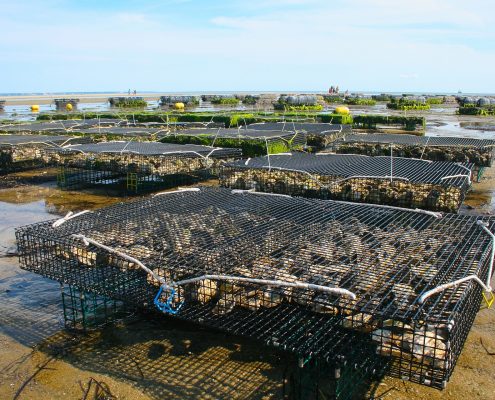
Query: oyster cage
x=346, y=380
x=138, y=166
x=252, y=142
x=316, y=278
x=402, y=182
x=106, y=128
x=27, y=151
x=479, y=152
x=318, y=135
x=84, y=311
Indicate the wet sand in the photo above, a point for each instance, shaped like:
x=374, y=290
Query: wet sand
x=84, y=98
x=166, y=359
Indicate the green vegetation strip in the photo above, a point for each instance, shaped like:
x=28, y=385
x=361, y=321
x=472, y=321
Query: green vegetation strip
x=371, y=121
x=471, y=109
x=406, y=105
x=250, y=147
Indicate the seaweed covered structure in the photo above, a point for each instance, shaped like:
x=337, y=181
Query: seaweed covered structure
x=437, y=186
x=28, y=151
x=252, y=142
x=66, y=104
x=479, y=152
x=318, y=135
x=138, y=166
x=320, y=279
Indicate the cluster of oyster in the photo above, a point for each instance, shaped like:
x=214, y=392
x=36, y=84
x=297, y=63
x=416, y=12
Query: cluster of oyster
x=366, y=190
x=10, y=155
x=481, y=156
x=386, y=266
x=156, y=165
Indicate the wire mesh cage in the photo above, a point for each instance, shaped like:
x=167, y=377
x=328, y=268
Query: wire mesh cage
x=27, y=151
x=252, y=142
x=104, y=128
x=346, y=380
x=318, y=135
x=83, y=311
x=66, y=104
x=138, y=166
x=438, y=186
x=479, y=152
x=316, y=278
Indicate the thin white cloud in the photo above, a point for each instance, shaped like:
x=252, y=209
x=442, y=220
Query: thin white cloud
x=409, y=76
x=372, y=44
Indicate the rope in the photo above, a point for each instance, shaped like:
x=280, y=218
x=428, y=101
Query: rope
x=424, y=148
x=391, y=164
x=268, y=154
x=70, y=215
x=127, y=144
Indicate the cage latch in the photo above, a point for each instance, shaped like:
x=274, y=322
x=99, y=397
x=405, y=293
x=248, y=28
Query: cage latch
x=166, y=306
x=489, y=301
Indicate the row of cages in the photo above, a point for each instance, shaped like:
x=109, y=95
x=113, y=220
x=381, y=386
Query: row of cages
x=438, y=186
x=479, y=152
x=415, y=185
x=262, y=138
x=315, y=278
x=340, y=379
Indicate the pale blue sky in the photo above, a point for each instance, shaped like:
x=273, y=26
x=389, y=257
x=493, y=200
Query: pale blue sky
x=282, y=45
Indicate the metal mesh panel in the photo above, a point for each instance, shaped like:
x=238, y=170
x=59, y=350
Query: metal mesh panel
x=381, y=180
x=476, y=151
x=241, y=132
x=87, y=310
x=17, y=140
x=318, y=135
x=388, y=258
x=104, y=126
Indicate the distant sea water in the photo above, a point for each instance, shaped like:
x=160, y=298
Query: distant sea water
x=364, y=92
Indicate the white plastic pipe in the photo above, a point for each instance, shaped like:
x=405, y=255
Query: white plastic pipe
x=492, y=256
x=448, y=285
x=68, y=217
x=268, y=282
